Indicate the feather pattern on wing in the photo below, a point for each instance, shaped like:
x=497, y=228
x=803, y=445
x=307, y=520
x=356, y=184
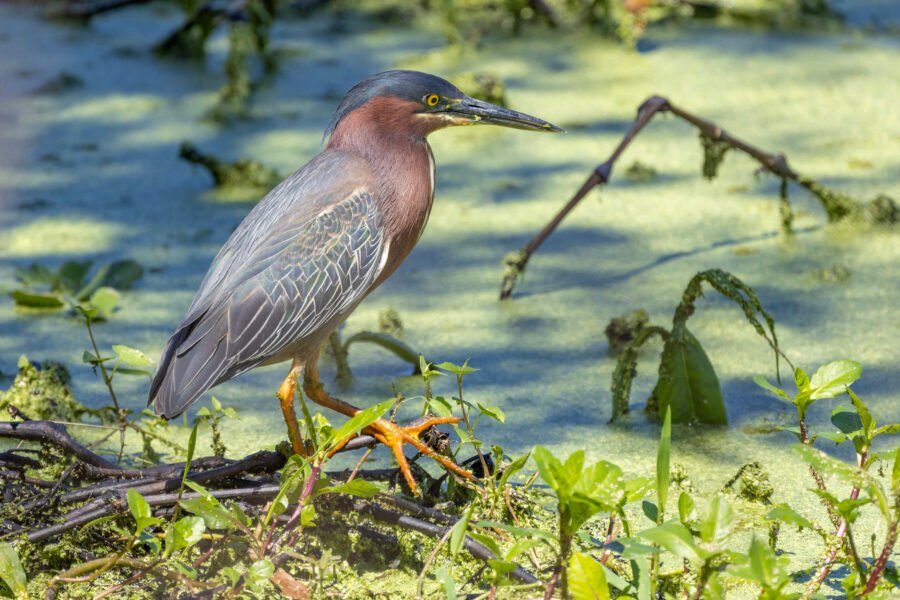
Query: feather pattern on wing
x=300, y=261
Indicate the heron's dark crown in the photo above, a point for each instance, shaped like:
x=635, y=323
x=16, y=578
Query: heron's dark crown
x=406, y=85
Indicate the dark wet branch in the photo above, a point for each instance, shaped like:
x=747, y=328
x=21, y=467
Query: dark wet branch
x=716, y=141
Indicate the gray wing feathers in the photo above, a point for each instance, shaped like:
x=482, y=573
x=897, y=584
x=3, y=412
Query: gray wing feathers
x=295, y=281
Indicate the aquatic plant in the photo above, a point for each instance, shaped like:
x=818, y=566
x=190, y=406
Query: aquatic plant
x=687, y=381
x=212, y=525
x=69, y=286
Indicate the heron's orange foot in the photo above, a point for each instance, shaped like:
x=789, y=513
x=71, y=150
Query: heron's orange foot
x=394, y=436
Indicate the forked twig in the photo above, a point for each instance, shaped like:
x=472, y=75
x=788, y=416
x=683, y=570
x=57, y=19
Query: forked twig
x=716, y=142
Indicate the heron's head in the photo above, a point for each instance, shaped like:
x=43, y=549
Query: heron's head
x=414, y=103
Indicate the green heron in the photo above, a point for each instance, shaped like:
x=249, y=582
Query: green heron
x=318, y=244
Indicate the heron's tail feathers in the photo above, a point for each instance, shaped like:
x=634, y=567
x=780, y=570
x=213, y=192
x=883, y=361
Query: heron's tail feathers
x=193, y=361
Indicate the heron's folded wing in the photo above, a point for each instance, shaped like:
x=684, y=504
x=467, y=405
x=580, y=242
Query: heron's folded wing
x=300, y=277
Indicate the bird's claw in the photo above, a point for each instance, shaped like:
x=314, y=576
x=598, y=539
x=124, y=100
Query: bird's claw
x=394, y=436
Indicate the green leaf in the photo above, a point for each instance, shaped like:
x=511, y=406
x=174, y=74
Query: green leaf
x=90, y=358
x=360, y=421
x=513, y=468
x=122, y=274
x=36, y=299
x=663, y=464
x=784, y=513
x=761, y=382
x=487, y=541
x=718, y=522
x=211, y=511
x=688, y=382
x=139, y=507
x=71, y=275
x=493, y=412
x=865, y=417
x=11, y=571
x=832, y=379
x=460, y=370
x=846, y=420
x=357, y=487
x=587, y=580
x=36, y=275
x=188, y=531
x=651, y=511
x=675, y=538
x=388, y=342
x=259, y=573
x=131, y=356
x=104, y=302
x=458, y=534
x=685, y=507
x=895, y=472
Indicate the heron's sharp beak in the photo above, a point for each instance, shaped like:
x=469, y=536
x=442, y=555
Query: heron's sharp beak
x=477, y=111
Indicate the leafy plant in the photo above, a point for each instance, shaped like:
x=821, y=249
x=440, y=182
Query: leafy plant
x=687, y=380
x=582, y=492
x=70, y=286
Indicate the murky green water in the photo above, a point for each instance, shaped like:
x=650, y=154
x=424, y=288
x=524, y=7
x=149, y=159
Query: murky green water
x=94, y=172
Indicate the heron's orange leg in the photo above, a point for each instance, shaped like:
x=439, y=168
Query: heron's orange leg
x=390, y=434
x=286, y=396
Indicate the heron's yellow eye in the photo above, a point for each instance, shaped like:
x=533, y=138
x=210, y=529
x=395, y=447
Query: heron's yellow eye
x=432, y=99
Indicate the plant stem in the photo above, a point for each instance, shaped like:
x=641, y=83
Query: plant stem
x=880, y=564
x=817, y=582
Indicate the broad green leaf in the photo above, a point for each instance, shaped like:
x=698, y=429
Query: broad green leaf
x=846, y=420
x=550, y=469
x=72, y=274
x=688, y=382
x=36, y=299
x=131, y=356
x=211, y=511
x=138, y=505
x=651, y=511
x=675, y=538
x=662, y=464
x=122, y=274
x=784, y=513
x=11, y=571
x=388, y=342
x=761, y=382
x=90, y=358
x=360, y=421
x=493, y=412
x=460, y=370
x=358, y=487
x=587, y=580
x=717, y=523
x=188, y=531
x=259, y=573
x=832, y=379
x=458, y=535
x=104, y=301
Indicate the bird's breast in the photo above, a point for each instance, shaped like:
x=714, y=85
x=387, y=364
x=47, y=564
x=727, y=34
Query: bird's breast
x=406, y=202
